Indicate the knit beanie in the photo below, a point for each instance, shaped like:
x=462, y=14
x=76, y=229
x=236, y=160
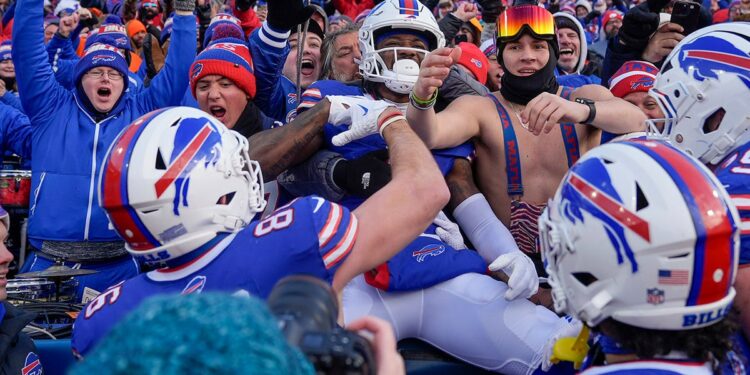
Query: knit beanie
x=633, y=76
x=100, y=54
x=221, y=19
x=112, y=34
x=113, y=19
x=69, y=6
x=611, y=15
x=5, y=218
x=584, y=3
x=473, y=59
x=134, y=27
x=228, y=58
x=5, y=49
x=205, y=333
x=489, y=48
x=566, y=23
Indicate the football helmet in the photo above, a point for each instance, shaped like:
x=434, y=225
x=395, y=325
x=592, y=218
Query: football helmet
x=174, y=179
x=644, y=234
x=703, y=89
x=393, y=16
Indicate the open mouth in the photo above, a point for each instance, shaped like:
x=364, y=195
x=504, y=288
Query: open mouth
x=104, y=92
x=307, y=67
x=218, y=111
x=527, y=72
x=566, y=52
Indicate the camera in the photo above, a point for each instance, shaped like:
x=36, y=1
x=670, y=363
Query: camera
x=306, y=309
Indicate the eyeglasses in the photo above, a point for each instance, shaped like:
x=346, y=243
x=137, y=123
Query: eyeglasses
x=98, y=74
x=514, y=19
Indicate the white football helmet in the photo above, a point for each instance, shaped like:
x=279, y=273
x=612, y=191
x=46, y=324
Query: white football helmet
x=388, y=16
x=644, y=234
x=703, y=83
x=176, y=178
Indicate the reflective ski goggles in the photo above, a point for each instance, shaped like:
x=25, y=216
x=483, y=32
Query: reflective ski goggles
x=514, y=19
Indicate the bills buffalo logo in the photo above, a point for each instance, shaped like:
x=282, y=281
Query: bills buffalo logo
x=643, y=82
x=710, y=56
x=429, y=250
x=197, y=69
x=588, y=188
x=197, y=144
x=102, y=58
x=195, y=285
x=476, y=63
x=32, y=365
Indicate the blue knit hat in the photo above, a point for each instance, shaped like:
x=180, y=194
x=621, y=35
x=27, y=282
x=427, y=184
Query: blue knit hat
x=221, y=19
x=5, y=49
x=112, y=34
x=207, y=333
x=100, y=54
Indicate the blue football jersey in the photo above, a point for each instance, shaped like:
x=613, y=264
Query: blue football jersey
x=426, y=261
x=310, y=236
x=734, y=173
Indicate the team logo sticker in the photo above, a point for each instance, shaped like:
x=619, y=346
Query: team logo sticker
x=655, y=296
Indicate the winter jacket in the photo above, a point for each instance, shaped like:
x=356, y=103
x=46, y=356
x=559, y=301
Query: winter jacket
x=15, y=132
x=276, y=95
x=68, y=145
x=17, y=350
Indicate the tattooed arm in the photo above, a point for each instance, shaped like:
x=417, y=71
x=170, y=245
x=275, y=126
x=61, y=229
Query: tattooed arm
x=278, y=149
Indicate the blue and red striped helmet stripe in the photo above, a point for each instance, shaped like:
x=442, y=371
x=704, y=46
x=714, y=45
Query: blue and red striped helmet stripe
x=409, y=7
x=714, y=224
x=115, y=187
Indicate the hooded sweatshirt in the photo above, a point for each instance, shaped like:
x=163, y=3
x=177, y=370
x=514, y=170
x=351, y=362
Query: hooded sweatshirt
x=576, y=79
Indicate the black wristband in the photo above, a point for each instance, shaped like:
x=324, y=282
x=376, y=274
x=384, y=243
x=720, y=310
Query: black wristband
x=592, y=110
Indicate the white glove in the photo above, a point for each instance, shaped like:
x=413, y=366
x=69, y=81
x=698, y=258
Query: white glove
x=448, y=232
x=359, y=113
x=523, y=280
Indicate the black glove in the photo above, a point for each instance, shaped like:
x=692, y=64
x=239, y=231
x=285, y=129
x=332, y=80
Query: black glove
x=89, y=22
x=593, y=14
x=640, y=23
x=243, y=5
x=286, y=14
x=364, y=176
x=491, y=9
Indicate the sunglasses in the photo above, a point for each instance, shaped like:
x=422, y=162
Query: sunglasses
x=513, y=20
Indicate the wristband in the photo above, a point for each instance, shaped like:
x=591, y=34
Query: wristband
x=422, y=104
x=390, y=119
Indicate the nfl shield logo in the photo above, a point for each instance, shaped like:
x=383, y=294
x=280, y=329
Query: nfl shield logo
x=655, y=296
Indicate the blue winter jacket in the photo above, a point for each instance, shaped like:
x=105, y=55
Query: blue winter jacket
x=276, y=95
x=15, y=132
x=68, y=145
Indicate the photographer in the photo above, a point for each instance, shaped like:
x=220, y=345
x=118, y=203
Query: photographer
x=643, y=36
x=227, y=335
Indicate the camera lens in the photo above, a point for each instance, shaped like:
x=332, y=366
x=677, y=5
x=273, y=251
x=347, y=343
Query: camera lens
x=302, y=304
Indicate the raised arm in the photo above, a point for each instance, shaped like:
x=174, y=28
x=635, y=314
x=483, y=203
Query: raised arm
x=169, y=85
x=612, y=114
x=454, y=125
x=41, y=95
x=392, y=217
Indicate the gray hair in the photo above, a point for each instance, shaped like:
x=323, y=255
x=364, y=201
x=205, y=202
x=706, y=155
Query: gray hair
x=328, y=48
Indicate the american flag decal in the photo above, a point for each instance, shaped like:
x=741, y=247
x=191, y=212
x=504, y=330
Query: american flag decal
x=674, y=277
